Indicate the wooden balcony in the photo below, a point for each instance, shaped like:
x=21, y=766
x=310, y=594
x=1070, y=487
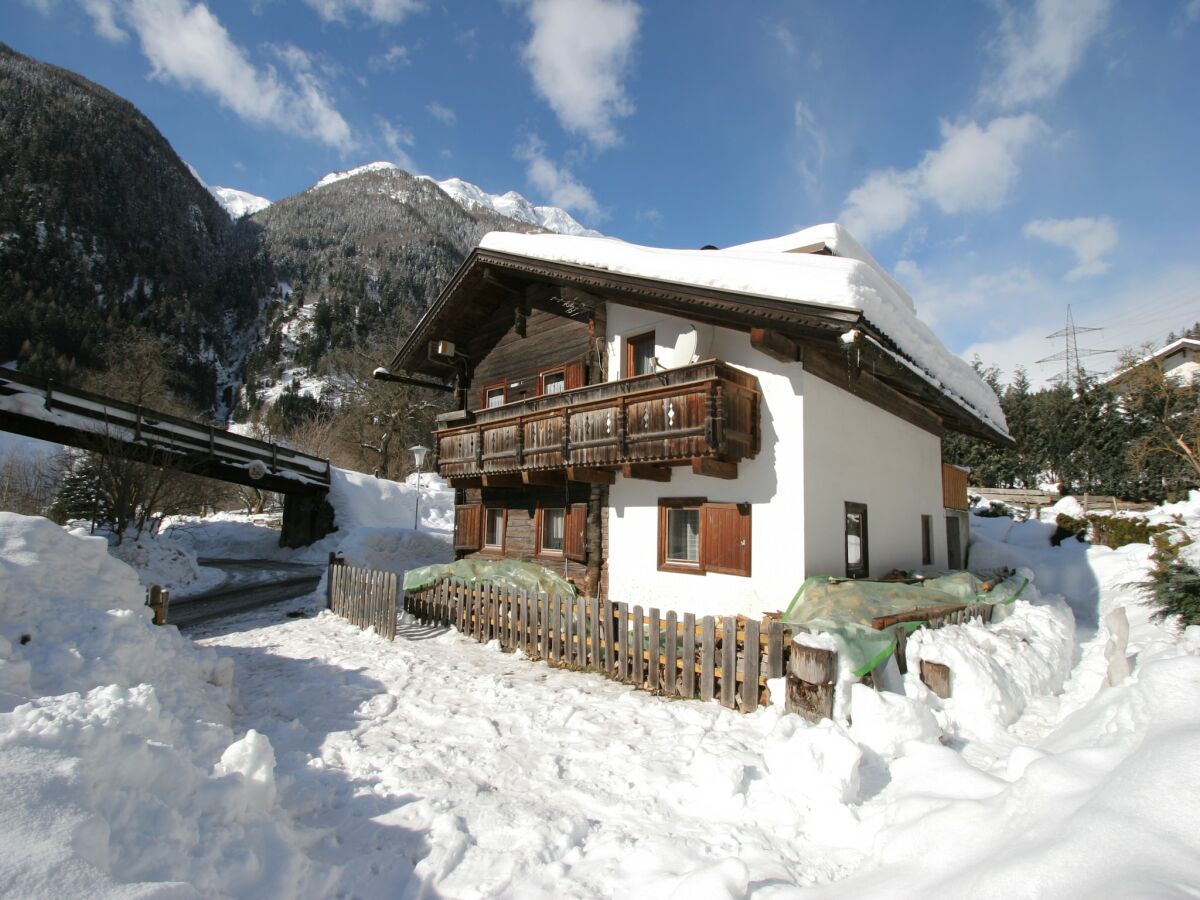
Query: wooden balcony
x=705, y=415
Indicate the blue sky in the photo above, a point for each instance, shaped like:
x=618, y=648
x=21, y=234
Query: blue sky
x=1003, y=160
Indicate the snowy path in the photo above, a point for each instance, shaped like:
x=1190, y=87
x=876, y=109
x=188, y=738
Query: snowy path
x=436, y=766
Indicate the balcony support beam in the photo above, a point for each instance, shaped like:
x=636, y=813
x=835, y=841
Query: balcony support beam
x=647, y=473
x=505, y=480
x=591, y=476
x=714, y=468
x=465, y=481
x=545, y=477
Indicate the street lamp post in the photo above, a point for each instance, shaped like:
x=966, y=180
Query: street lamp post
x=418, y=453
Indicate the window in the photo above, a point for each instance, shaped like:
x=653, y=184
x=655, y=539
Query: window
x=857, y=562
x=493, y=529
x=639, y=354
x=554, y=382
x=494, y=396
x=551, y=530
x=927, y=540
x=683, y=536
x=699, y=537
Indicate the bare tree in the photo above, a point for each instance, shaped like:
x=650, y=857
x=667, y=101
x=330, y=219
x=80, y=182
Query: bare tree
x=1165, y=409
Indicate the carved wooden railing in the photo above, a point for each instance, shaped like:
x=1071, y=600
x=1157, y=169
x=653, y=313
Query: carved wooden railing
x=705, y=410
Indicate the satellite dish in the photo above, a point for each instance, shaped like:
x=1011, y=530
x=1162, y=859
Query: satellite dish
x=685, y=347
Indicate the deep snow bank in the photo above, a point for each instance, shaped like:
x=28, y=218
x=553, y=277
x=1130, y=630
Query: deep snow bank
x=116, y=754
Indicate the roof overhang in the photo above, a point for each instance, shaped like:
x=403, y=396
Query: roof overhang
x=489, y=278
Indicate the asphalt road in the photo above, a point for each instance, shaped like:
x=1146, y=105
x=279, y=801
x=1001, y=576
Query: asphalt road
x=249, y=584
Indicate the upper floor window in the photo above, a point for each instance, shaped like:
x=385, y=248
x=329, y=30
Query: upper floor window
x=639, y=354
x=494, y=396
x=554, y=382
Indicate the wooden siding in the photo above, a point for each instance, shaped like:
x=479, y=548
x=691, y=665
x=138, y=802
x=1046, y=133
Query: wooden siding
x=551, y=340
x=954, y=487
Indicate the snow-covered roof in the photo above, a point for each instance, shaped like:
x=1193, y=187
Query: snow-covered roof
x=850, y=279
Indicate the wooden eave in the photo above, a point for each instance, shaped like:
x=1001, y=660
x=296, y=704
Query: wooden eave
x=475, y=308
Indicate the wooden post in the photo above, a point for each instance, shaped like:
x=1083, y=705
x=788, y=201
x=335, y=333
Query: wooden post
x=623, y=641
x=671, y=683
x=750, y=663
x=595, y=660
x=708, y=657
x=689, y=655
x=812, y=675
x=729, y=663
x=936, y=677
x=639, y=647
x=605, y=634
x=652, y=672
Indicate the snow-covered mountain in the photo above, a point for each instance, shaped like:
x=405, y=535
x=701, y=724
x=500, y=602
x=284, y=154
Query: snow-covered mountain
x=239, y=203
x=470, y=196
x=513, y=205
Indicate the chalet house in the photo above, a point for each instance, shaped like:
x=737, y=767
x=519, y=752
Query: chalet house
x=1179, y=360
x=701, y=427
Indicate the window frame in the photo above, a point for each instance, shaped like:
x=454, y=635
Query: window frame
x=540, y=524
x=704, y=564
x=544, y=374
x=665, y=564
x=631, y=343
x=863, y=569
x=501, y=386
x=926, y=540
x=499, y=548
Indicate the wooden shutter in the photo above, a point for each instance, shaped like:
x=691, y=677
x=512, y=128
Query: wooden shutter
x=725, y=538
x=575, y=375
x=468, y=526
x=574, y=532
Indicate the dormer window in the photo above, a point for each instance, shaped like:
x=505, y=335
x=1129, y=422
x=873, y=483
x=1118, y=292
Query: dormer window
x=554, y=382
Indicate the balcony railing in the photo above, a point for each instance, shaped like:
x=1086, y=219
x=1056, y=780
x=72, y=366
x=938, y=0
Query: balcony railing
x=707, y=410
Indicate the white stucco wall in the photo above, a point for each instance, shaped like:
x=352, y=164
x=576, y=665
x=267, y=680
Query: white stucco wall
x=854, y=452
x=776, y=483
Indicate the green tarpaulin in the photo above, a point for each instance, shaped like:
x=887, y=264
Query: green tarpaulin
x=510, y=573
x=845, y=608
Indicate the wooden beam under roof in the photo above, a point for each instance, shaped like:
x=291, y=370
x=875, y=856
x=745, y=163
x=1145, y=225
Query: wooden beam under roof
x=714, y=468
x=647, y=472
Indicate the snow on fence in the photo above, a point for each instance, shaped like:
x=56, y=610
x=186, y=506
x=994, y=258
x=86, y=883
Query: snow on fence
x=728, y=658
x=364, y=597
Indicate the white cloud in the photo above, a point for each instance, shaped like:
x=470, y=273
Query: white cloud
x=814, y=145
x=1089, y=239
x=556, y=183
x=579, y=55
x=395, y=56
x=1186, y=16
x=973, y=170
x=442, y=113
x=784, y=35
x=397, y=138
x=45, y=7
x=186, y=44
x=104, y=19
x=1041, y=49
x=384, y=12
x=949, y=300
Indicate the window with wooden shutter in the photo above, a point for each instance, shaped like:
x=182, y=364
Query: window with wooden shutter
x=725, y=536
x=468, y=526
x=575, y=540
x=697, y=537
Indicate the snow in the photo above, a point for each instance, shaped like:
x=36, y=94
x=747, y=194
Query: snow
x=853, y=282
x=312, y=758
x=513, y=205
x=239, y=203
x=334, y=177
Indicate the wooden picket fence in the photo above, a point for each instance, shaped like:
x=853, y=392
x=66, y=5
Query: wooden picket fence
x=728, y=658
x=364, y=597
